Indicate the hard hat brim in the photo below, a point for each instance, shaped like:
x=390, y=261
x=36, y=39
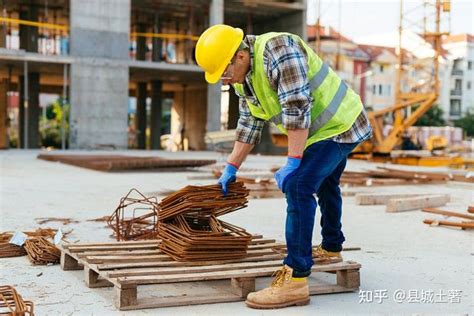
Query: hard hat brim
x=215, y=76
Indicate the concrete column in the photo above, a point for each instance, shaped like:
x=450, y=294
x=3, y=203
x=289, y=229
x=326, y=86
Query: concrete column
x=3, y=114
x=141, y=42
x=3, y=35
x=33, y=111
x=155, y=114
x=140, y=115
x=216, y=16
x=99, y=76
x=29, y=34
x=157, y=49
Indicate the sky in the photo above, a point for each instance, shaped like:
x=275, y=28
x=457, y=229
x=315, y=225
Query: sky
x=363, y=18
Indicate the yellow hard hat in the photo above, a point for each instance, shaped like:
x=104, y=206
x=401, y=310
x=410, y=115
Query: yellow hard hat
x=215, y=49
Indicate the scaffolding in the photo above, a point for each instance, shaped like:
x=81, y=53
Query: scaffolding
x=417, y=87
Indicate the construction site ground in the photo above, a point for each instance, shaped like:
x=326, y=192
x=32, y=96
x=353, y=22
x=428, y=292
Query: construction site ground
x=399, y=253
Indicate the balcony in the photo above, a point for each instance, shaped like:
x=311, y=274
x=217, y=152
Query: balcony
x=456, y=92
x=457, y=72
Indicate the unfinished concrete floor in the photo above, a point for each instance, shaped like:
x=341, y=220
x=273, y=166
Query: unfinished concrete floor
x=399, y=252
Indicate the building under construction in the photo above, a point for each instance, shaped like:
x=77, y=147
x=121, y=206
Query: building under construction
x=126, y=67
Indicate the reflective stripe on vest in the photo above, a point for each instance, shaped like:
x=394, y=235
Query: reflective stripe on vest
x=330, y=110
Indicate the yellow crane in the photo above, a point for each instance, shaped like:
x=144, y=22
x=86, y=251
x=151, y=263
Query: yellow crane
x=413, y=99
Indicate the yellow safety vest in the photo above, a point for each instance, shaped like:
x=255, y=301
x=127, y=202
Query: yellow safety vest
x=335, y=105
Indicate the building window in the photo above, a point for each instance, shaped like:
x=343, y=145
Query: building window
x=380, y=89
x=458, y=84
x=381, y=68
x=469, y=65
x=389, y=90
x=374, y=89
x=468, y=85
x=455, y=108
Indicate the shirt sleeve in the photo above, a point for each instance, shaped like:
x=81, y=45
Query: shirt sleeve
x=249, y=128
x=289, y=70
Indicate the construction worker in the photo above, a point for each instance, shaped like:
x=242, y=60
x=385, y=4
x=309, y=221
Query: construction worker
x=280, y=79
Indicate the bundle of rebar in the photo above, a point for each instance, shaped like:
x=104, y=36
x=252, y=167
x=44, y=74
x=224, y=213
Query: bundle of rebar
x=135, y=218
x=190, y=230
x=41, y=252
x=9, y=250
x=204, y=200
x=11, y=303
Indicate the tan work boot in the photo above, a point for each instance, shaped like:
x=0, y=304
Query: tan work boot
x=323, y=256
x=284, y=291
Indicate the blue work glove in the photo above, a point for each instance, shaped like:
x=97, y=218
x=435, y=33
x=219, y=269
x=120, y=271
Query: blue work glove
x=285, y=172
x=228, y=176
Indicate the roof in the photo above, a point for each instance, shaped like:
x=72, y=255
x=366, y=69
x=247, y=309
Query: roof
x=374, y=51
x=459, y=38
x=326, y=32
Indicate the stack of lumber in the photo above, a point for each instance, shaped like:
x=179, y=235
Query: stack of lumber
x=190, y=230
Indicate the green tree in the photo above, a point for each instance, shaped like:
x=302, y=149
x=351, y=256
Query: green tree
x=432, y=117
x=50, y=127
x=466, y=123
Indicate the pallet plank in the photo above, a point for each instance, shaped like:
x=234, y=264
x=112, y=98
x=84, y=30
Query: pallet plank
x=219, y=275
x=111, y=266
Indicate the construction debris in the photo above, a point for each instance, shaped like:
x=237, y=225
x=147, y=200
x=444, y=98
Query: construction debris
x=10, y=250
x=448, y=213
x=7, y=249
x=462, y=225
x=45, y=232
x=100, y=219
x=63, y=220
x=121, y=163
x=135, y=218
x=190, y=230
x=41, y=252
x=11, y=303
x=470, y=209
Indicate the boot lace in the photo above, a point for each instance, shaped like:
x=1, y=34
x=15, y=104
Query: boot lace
x=281, y=276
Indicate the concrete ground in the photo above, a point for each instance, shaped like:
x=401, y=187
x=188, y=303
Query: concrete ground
x=402, y=258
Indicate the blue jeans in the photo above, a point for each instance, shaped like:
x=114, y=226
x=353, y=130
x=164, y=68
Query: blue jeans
x=321, y=167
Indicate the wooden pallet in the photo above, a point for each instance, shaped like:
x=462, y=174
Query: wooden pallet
x=130, y=266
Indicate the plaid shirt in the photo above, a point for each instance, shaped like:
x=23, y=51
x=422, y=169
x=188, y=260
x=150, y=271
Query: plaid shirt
x=285, y=62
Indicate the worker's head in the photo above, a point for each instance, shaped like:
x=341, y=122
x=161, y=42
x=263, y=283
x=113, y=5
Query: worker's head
x=222, y=54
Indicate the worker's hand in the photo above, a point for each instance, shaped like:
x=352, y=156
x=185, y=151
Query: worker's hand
x=228, y=176
x=285, y=172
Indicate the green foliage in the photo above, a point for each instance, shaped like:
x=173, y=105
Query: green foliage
x=432, y=117
x=466, y=123
x=50, y=127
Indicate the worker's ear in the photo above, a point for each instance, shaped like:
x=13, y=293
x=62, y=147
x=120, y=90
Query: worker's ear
x=240, y=55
